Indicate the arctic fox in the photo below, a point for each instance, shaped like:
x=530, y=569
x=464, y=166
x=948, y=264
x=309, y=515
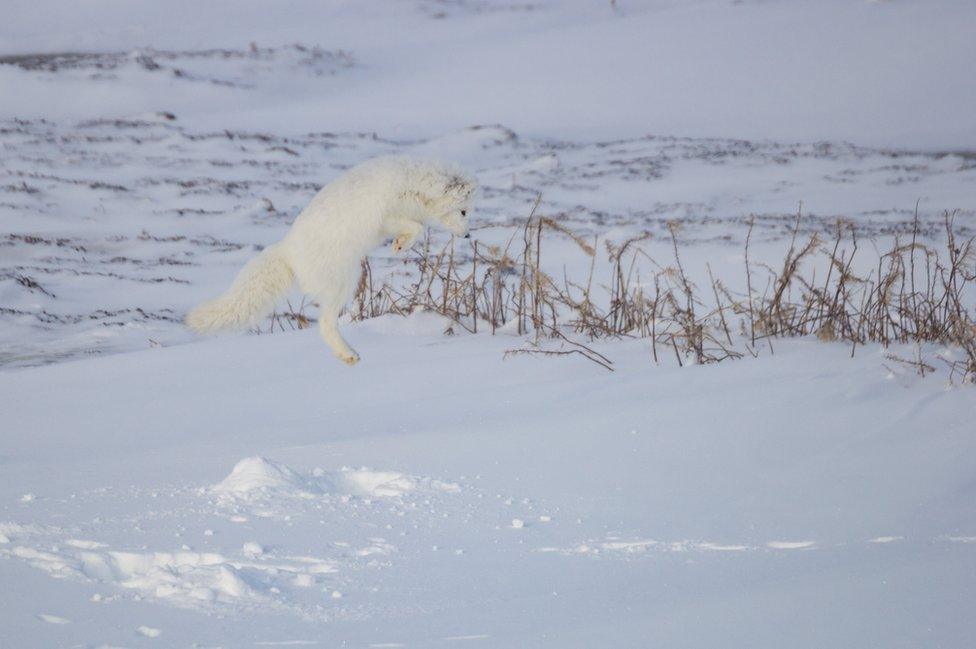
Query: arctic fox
x=391, y=196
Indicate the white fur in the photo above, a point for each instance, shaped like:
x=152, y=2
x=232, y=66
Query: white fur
x=374, y=201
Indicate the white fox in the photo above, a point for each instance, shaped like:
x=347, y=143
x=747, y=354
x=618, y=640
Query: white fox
x=385, y=197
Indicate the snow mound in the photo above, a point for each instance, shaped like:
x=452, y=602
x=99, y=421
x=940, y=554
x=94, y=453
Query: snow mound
x=254, y=474
x=371, y=484
x=368, y=483
x=257, y=477
x=183, y=579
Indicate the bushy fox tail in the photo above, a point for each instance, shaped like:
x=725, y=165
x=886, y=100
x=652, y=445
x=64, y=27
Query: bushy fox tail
x=250, y=297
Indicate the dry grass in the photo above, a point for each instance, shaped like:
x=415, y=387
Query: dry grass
x=916, y=294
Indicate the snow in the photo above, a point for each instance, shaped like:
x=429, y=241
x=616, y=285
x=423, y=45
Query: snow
x=709, y=505
x=159, y=489
x=880, y=73
x=256, y=478
x=257, y=473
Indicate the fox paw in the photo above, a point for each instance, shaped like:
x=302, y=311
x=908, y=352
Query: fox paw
x=349, y=359
x=401, y=243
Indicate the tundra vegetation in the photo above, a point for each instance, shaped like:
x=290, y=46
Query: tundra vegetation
x=917, y=294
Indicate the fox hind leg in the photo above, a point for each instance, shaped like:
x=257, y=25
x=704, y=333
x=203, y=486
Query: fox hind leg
x=331, y=301
x=329, y=330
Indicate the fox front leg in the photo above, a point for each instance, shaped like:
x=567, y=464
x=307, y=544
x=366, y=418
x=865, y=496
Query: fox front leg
x=409, y=231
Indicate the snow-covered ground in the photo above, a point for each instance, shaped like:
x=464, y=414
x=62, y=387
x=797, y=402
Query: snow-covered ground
x=883, y=73
x=158, y=489
x=804, y=499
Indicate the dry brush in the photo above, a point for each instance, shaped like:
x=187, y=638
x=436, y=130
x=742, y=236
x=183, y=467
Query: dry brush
x=916, y=293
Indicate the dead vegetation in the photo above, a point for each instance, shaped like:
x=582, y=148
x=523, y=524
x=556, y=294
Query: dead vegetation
x=916, y=294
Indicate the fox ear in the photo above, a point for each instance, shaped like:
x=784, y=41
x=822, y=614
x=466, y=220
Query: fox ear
x=458, y=185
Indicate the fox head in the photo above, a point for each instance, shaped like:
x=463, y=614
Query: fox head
x=441, y=194
x=451, y=208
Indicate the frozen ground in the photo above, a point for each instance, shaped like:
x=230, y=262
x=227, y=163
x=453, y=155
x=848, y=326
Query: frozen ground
x=160, y=490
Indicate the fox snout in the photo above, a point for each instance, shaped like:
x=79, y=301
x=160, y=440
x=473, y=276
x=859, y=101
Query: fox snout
x=457, y=227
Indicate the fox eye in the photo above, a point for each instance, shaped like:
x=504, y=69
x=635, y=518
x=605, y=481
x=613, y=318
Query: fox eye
x=464, y=212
